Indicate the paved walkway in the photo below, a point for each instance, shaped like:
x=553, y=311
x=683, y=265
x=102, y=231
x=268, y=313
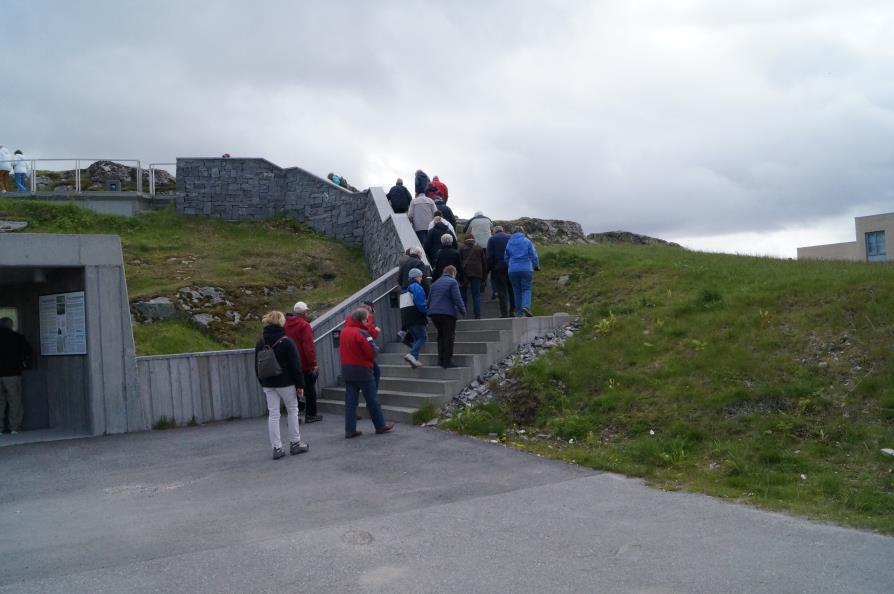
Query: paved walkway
x=205, y=510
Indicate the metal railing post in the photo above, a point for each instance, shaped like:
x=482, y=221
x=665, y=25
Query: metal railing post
x=33, y=176
x=139, y=177
x=151, y=181
x=77, y=176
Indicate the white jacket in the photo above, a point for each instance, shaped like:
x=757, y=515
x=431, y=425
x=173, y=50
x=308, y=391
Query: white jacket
x=5, y=159
x=20, y=165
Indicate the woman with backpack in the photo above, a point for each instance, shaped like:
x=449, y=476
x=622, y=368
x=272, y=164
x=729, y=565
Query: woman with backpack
x=278, y=369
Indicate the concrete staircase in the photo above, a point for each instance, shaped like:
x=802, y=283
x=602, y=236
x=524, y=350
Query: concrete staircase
x=479, y=343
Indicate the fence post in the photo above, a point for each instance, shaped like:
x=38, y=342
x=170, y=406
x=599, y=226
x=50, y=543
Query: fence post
x=78, y=176
x=33, y=177
x=139, y=177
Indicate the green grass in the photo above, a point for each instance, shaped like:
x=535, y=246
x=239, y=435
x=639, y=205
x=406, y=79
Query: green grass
x=426, y=413
x=164, y=252
x=761, y=380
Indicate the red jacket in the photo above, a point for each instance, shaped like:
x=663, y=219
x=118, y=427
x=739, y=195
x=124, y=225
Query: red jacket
x=442, y=187
x=357, y=352
x=299, y=330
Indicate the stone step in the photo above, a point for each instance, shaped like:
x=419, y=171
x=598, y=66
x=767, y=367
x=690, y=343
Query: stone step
x=484, y=324
x=418, y=385
x=336, y=408
x=462, y=348
x=428, y=360
x=474, y=335
x=426, y=372
x=391, y=397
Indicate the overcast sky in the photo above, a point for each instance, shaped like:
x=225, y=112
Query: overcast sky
x=749, y=126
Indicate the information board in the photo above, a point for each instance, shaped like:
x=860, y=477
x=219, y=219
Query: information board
x=63, y=324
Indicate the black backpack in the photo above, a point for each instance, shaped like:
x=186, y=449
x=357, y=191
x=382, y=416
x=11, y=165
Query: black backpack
x=268, y=366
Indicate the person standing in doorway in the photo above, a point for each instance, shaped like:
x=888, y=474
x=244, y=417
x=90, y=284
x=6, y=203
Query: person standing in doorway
x=299, y=330
x=523, y=261
x=15, y=356
x=444, y=303
x=278, y=369
x=6, y=168
x=20, y=168
x=357, y=351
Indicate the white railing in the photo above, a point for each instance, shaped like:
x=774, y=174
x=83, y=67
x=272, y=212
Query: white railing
x=153, y=167
x=136, y=164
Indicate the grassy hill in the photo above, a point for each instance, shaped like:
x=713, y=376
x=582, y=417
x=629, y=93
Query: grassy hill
x=258, y=265
x=765, y=381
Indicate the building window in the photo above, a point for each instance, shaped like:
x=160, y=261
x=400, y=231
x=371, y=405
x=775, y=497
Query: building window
x=875, y=246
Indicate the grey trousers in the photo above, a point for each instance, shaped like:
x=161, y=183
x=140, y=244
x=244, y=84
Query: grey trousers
x=11, y=394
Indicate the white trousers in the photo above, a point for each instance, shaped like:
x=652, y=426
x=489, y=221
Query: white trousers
x=288, y=397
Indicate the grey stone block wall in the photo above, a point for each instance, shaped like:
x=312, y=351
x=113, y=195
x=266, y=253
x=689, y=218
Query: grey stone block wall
x=240, y=189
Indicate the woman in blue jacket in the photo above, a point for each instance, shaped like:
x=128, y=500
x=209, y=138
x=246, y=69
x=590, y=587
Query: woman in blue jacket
x=522, y=259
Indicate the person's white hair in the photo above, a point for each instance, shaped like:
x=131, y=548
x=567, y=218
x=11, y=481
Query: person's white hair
x=446, y=239
x=478, y=213
x=416, y=251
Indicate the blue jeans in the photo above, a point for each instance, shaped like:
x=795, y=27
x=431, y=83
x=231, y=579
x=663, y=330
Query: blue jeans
x=20, y=182
x=352, y=396
x=521, y=281
x=423, y=235
x=473, y=285
x=420, y=335
x=377, y=374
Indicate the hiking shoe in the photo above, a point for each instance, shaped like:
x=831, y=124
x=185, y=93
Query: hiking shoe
x=527, y=312
x=312, y=418
x=388, y=426
x=298, y=448
x=353, y=434
x=278, y=453
x=413, y=361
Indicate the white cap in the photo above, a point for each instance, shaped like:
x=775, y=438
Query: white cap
x=300, y=307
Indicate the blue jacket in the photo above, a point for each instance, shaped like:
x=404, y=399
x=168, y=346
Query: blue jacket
x=444, y=297
x=496, y=249
x=416, y=313
x=520, y=254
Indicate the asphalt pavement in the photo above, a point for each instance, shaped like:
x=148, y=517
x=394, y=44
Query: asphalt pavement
x=205, y=509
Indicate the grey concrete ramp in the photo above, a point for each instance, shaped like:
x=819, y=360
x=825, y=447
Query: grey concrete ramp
x=206, y=510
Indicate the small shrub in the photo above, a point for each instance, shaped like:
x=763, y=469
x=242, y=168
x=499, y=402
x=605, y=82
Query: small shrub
x=708, y=298
x=426, y=413
x=477, y=420
x=163, y=423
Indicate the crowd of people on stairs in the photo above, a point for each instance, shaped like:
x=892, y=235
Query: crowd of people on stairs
x=440, y=280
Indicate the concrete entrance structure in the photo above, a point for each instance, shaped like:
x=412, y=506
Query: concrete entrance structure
x=85, y=394
x=872, y=233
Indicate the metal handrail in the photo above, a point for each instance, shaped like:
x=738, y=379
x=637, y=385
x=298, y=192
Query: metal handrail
x=152, y=168
x=77, y=169
x=342, y=323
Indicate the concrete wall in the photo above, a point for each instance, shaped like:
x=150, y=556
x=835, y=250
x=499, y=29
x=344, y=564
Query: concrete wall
x=239, y=189
x=113, y=403
x=125, y=204
x=832, y=251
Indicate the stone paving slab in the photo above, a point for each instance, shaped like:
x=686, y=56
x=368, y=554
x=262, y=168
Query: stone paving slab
x=205, y=510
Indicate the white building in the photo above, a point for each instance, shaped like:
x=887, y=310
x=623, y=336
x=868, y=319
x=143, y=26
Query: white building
x=870, y=245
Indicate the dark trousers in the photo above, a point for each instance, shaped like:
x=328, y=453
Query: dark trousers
x=352, y=398
x=473, y=285
x=423, y=235
x=446, y=326
x=500, y=278
x=310, y=394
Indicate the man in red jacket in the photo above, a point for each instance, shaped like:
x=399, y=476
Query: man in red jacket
x=441, y=186
x=357, y=351
x=299, y=330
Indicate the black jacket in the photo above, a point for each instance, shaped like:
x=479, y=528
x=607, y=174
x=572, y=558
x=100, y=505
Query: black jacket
x=404, y=269
x=422, y=182
x=15, y=354
x=286, y=354
x=448, y=256
x=400, y=198
x=446, y=211
x=433, y=240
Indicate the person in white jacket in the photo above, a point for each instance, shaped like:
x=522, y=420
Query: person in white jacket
x=5, y=168
x=20, y=168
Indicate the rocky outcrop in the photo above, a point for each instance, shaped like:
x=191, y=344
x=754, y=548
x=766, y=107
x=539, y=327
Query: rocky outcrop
x=628, y=237
x=557, y=231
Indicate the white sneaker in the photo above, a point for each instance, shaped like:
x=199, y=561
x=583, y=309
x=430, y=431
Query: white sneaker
x=413, y=361
x=13, y=432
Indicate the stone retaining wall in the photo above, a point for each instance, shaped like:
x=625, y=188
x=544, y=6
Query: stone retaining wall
x=240, y=189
